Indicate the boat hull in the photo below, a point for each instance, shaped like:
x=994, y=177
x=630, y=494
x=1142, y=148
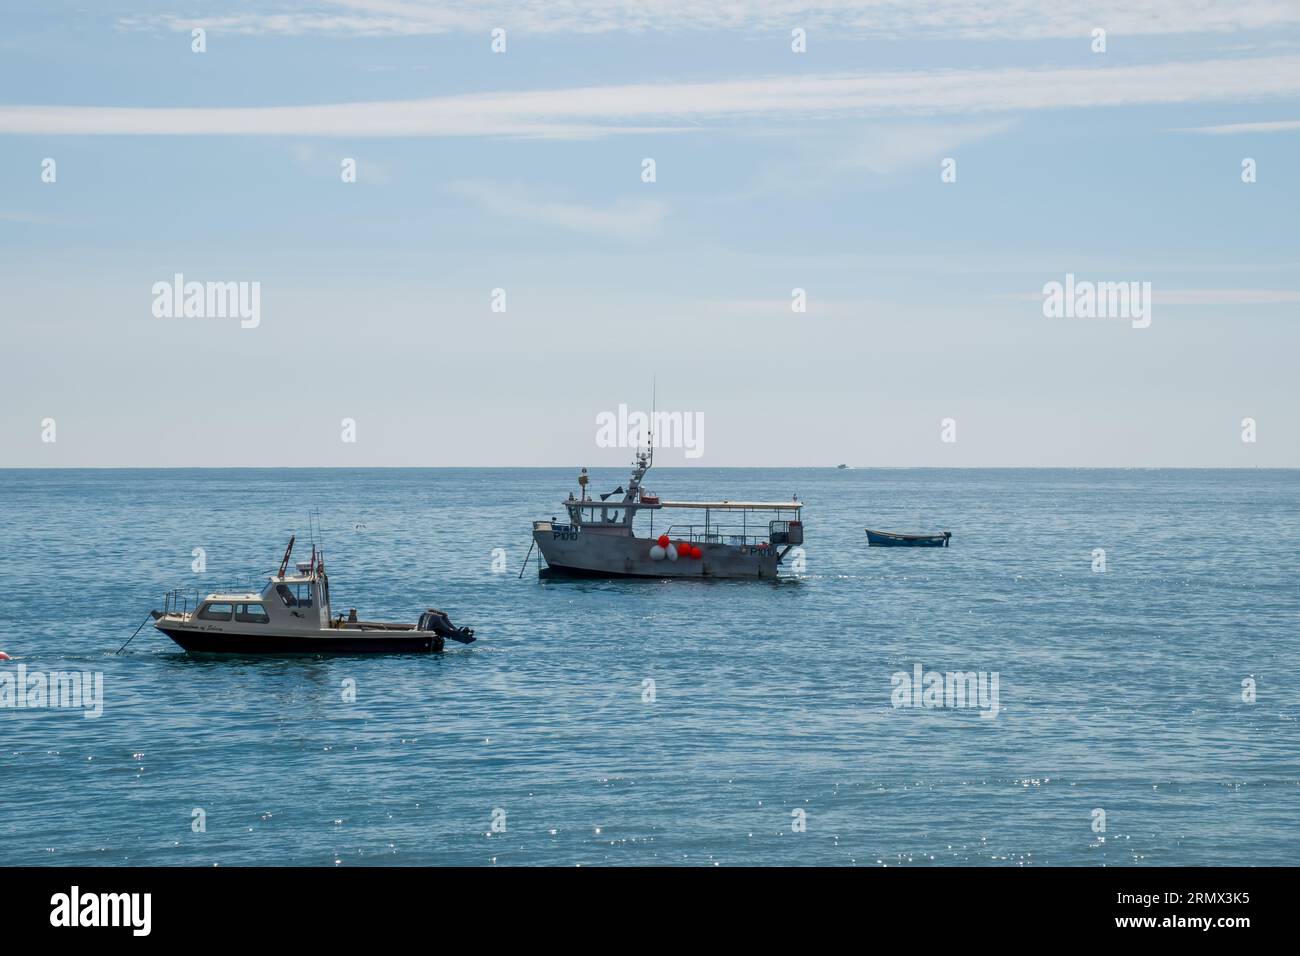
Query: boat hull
x=890, y=539
x=216, y=642
x=592, y=554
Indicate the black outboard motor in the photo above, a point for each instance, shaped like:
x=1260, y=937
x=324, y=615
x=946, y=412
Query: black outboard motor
x=438, y=622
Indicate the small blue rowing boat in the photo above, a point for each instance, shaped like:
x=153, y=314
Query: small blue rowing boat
x=892, y=539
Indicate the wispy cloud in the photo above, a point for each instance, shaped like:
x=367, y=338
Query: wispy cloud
x=624, y=219
x=606, y=110
x=1018, y=19
x=1228, y=129
x=818, y=163
x=320, y=165
x=1226, y=296
x=26, y=218
x=888, y=148
x=1195, y=296
x=779, y=308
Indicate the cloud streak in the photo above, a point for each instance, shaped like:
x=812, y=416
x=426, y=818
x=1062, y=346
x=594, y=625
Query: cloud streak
x=1230, y=129
x=1219, y=297
x=624, y=219
x=973, y=19
x=662, y=107
x=886, y=149
x=26, y=218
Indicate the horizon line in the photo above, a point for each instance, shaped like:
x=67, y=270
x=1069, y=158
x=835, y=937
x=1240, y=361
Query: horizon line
x=667, y=467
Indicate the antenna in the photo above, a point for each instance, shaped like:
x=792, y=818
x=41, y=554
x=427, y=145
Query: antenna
x=654, y=409
x=317, y=536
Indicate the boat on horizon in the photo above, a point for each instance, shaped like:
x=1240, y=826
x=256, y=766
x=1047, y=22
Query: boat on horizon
x=291, y=614
x=599, y=540
x=897, y=539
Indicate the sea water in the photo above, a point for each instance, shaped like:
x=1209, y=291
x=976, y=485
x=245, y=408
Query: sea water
x=1141, y=627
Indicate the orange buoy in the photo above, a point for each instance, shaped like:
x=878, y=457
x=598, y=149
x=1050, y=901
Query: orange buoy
x=696, y=553
x=4, y=656
x=663, y=541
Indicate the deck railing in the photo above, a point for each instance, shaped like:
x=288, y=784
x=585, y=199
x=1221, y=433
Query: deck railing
x=183, y=600
x=736, y=535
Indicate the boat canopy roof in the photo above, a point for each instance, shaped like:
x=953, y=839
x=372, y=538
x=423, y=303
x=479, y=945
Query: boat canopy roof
x=711, y=505
x=736, y=505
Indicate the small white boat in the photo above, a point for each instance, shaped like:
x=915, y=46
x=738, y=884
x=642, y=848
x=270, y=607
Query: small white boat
x=291, y=614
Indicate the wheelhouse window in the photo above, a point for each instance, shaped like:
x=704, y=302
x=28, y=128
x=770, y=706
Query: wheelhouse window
x=596, y=514
x=216, y=612
x=252, y=614
x=294, y=595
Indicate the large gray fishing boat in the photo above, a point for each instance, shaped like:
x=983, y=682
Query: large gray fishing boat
x=600, y=538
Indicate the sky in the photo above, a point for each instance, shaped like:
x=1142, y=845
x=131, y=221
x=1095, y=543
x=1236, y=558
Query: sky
x=380, y=340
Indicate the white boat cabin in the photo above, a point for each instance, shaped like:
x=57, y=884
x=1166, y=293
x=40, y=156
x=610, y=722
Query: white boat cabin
x=740, y=525
x=298, y=600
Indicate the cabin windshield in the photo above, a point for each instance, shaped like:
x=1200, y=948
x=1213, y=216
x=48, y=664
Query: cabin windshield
x=598, y=513
x=295, y=595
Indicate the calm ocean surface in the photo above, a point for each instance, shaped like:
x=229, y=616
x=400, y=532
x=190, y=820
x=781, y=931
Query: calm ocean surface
x=1120, y=691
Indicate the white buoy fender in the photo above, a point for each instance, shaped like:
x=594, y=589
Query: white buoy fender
x=672, y=552
x=657, y=553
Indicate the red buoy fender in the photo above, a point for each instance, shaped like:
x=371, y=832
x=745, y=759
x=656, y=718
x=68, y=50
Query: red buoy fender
x=664, y=540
